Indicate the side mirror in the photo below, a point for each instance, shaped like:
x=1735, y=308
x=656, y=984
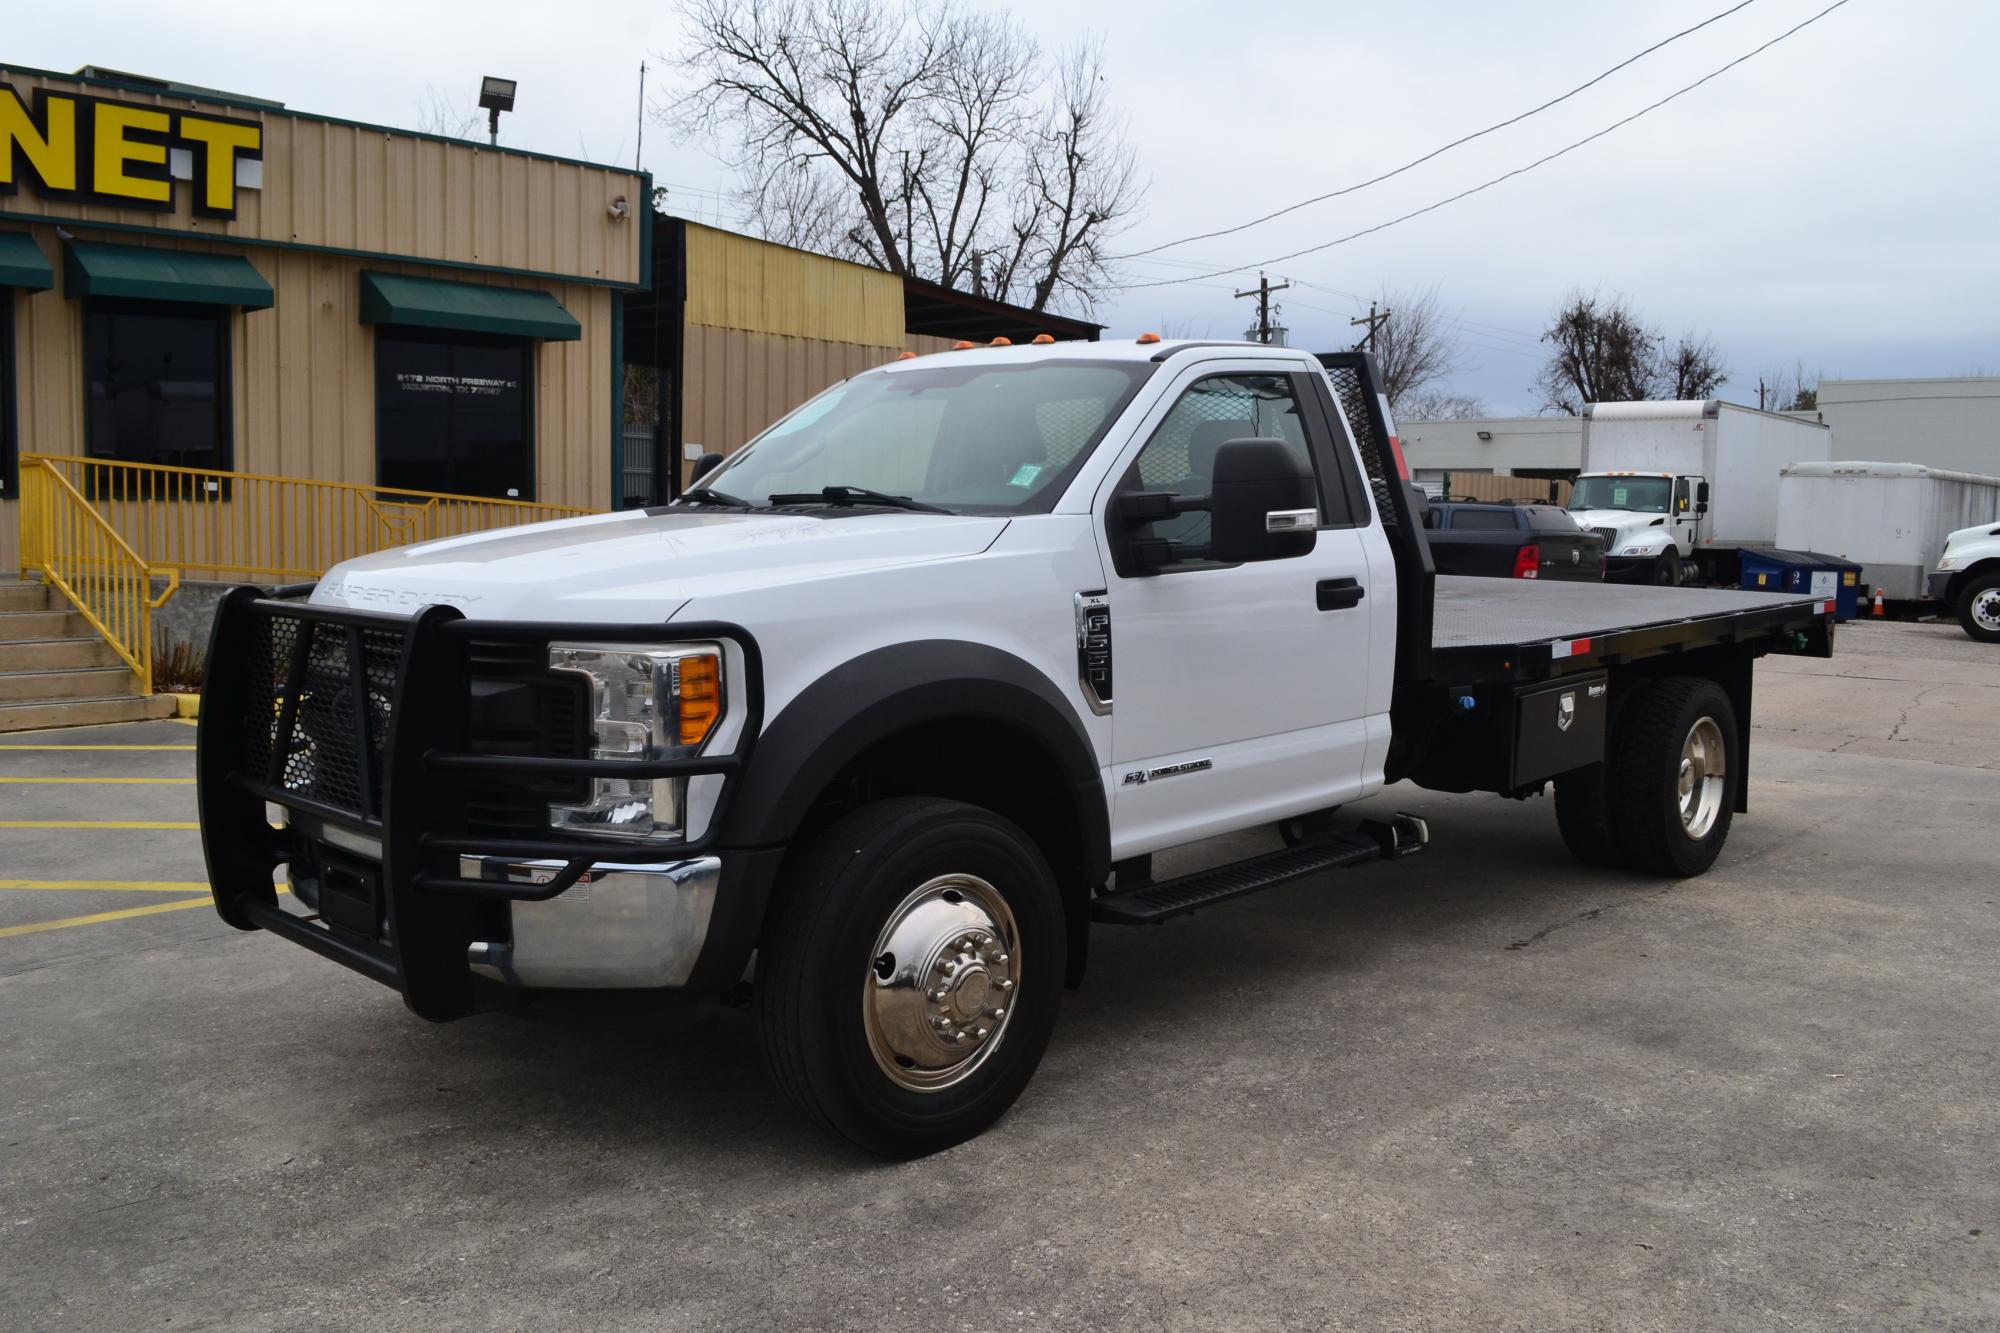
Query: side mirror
x=1701, y=494
x=1263, y=505
x=706, y=464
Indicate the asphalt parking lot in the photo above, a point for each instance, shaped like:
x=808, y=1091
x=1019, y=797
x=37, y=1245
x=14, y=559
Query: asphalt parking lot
x=1484, y=1087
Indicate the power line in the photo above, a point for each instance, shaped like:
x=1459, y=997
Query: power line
x=1477, y=134
x=1540, y=161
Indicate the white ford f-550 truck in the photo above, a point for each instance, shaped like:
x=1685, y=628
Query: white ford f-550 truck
x=884, y=713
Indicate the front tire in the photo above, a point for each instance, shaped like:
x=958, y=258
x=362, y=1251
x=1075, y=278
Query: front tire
x=1979, y=608
x=909, y=974
x=1674, y=777
x=1667, y=569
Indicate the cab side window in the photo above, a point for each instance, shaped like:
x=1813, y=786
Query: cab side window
x=1180, y=457
x=1683, y=501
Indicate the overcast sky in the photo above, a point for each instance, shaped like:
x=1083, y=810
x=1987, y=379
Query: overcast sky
x=1832, y=201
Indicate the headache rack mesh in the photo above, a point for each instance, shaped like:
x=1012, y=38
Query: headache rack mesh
x=1350, y=390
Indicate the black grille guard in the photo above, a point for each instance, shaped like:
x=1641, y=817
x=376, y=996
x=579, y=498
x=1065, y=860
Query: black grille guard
x=413, y=806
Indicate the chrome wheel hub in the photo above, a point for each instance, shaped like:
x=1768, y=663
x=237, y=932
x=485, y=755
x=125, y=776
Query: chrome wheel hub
x=938, y=994
x=1704, y=765
x=1986, y=610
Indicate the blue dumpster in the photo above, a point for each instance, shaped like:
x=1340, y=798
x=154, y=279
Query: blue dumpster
x=1807, y=572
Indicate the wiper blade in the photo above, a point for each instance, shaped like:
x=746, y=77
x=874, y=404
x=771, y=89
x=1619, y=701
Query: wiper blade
x=707, y=495
x=856, y=495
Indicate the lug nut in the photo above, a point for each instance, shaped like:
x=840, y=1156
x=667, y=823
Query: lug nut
x=1003, y=984
x=997, y=1011
x=940, y=995
x=981, y=1033
x=997, y=959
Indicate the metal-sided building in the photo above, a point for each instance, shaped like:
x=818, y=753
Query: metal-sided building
x=199, y=281
x=1940, y=423
x=240, y=342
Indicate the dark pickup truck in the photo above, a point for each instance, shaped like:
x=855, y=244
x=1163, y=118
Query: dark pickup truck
x=1507, y=540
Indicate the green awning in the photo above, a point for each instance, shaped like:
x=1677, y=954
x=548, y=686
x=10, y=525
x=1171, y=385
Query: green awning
x=143, y=273
x=22, y=265
x=430, y=303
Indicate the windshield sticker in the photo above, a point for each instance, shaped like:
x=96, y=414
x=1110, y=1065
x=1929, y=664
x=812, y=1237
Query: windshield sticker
x=1026, y=476
x=1618, y=497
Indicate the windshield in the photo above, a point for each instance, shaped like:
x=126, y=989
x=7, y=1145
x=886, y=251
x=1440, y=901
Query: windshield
x=1646, y=495
x=983, y=439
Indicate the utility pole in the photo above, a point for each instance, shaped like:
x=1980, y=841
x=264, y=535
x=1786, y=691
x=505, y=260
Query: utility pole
x=1373, y=321
x=1262, y=291
x=1760, y=393
x=639, y=152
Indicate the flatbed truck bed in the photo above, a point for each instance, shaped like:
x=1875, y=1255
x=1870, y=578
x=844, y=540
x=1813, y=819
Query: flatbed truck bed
x=1522, y=630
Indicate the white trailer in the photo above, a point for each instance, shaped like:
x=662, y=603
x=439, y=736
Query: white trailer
x=1890, y=518
x=1683, y=486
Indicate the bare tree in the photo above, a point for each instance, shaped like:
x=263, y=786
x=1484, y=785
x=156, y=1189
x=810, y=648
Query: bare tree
x=1691, y=368
x=1601, y=351
x=438, y=112
x=1793, y=390
x=915, y=135
x=1436, y=405
x=1414, y=348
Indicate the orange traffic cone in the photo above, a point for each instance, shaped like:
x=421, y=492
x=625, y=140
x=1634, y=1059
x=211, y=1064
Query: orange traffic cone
x=1878, y=602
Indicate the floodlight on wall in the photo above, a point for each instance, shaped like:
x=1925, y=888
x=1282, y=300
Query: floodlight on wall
x=495, y=95
x=1486, y=435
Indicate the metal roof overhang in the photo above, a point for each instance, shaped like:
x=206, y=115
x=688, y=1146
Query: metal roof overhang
x=22, y=265
x=146, y=273
x=432, y=303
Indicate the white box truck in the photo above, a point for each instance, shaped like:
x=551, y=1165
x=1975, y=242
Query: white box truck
x=1677, y=489
x=1892, y=519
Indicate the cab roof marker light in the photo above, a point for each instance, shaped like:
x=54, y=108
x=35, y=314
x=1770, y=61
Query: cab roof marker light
x=1148, y=339
x=1041, y=338
x=963, y=345
x=907, y=356
x=1002, y=341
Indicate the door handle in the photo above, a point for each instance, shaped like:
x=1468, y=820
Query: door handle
x=1339, y=594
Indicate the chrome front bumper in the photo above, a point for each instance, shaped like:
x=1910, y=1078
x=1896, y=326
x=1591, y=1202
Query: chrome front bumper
x=619, y=927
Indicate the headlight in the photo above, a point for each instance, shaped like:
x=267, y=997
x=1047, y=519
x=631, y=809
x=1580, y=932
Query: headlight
x=1636, y=550
x=1949, y=562
x=646, y=702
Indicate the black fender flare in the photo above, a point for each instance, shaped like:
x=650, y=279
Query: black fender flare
x=850, y=709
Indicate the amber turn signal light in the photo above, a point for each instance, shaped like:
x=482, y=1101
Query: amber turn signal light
x=698, y=687
x=1149, y=337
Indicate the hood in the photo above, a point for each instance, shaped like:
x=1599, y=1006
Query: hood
x=1966, y=536
x=1621, y=520
x=639, y=567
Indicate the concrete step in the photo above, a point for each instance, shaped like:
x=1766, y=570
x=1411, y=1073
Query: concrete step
x=18, y=625
x=16, y=596
x=84, y=712
x=57, y=654
x=20, y=687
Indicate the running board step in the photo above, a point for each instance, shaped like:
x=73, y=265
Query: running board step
x=1151, y=903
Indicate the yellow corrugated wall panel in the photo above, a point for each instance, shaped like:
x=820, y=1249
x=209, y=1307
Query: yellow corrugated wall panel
x=736, y=382
x=303, y=379
x=739, y=282
x=354, y=187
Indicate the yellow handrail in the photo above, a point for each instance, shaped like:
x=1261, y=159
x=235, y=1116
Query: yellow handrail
x=102, y=530
x=77, y=552
x=220, y=525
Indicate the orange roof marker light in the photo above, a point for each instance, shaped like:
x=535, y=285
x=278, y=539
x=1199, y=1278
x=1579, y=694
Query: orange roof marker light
x=907, y=356
x=961, y=345
x=1148, y=338
x=1002, y=341
x=1041, y=338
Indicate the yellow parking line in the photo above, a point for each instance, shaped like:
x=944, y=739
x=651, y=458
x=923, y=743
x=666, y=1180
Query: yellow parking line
x=179, y=905
x=110, y=885
x=96, y=747
x=97, y=823
x=151, y=909
x=128, y=782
